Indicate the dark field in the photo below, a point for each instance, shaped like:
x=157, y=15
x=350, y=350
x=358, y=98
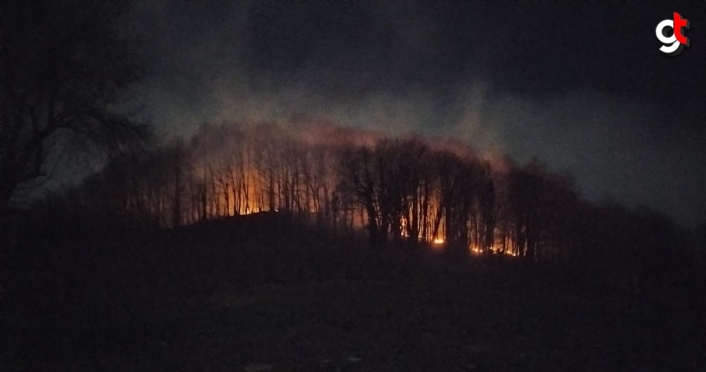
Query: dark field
x=257, y=294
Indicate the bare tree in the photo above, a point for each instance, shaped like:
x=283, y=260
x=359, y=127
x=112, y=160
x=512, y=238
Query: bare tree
x=358, y=179
x=62, y=69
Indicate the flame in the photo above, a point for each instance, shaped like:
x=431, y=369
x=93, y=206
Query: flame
x=252, y=167
x=478, y=250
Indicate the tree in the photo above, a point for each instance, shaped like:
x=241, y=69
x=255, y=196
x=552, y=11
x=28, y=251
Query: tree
x=63, y=67
x=526, y=197
x=358, y=180
x=450, y=173
x=420, y=187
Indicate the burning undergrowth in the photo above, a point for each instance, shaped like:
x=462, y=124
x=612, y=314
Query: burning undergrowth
x=405, y=191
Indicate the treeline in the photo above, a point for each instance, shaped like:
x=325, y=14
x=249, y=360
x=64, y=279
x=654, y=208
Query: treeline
x=404, y=192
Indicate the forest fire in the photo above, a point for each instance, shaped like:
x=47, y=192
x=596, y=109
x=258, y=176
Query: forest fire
x=132, y=238
x=339, y=178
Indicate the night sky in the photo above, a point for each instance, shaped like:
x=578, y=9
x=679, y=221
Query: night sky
x=582, y=87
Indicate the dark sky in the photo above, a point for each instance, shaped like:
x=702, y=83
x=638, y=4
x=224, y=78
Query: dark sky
x=583, y=87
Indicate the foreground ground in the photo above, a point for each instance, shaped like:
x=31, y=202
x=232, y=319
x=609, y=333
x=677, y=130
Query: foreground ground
x=214, y=312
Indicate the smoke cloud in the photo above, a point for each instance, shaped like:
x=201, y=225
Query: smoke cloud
x=429, y=70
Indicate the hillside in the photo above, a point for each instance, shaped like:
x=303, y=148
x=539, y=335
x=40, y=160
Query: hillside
x=260, y=293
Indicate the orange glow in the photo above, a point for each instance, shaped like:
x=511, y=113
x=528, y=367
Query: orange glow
x=282, y=166
x=494, y=250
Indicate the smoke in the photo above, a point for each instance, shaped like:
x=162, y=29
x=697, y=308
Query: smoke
x=604, y=142
x=477, y=125
x=383, y=69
